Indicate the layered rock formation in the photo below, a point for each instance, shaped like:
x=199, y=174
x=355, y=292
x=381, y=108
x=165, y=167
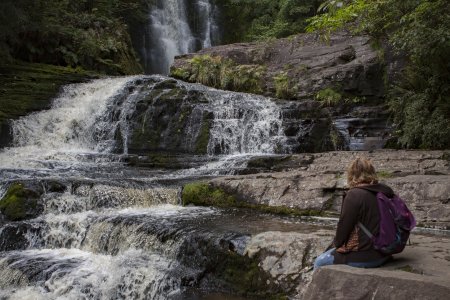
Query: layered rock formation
x=347, y=63
x=317, y=182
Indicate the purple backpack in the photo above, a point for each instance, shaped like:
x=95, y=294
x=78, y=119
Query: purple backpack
x=396, y=222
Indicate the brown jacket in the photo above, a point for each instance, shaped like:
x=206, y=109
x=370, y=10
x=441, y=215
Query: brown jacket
x=359, y=205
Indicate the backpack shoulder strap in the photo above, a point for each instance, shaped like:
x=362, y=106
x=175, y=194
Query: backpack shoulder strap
x=365, y=230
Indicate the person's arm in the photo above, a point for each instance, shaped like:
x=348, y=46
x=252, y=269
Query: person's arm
x=348, y=218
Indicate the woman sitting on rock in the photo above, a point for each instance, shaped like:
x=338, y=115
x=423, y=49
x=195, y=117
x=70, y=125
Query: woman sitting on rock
x=351, y=245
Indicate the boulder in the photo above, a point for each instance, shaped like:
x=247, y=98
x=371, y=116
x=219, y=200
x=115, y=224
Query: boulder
x=288, y=256
x=21, y=202
x=343, y=282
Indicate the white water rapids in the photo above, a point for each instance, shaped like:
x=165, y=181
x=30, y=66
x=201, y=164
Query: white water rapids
x=74, y=125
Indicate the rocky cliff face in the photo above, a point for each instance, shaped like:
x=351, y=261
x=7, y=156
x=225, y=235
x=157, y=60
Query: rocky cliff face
x=346, y=75
x=307, y=64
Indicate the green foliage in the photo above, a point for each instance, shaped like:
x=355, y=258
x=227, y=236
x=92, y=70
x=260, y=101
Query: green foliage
x=87, y=33
x=336, y=17
x=264, y=19
x=180, y=73
x=329, y=97
x=221, y=73
x=419, y=29
x=283, y=88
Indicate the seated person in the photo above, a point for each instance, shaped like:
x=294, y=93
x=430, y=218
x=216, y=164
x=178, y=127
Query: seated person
x=351, y=245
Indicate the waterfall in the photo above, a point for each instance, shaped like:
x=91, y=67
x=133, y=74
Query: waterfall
x=75, y=274
x=90, y=124
x=173, y=31
x=100, y=229
x=245, y=124
x=78, y=123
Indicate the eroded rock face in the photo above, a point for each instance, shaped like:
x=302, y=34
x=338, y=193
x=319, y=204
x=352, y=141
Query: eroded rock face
x=428, y=196
x=288, y=256
x=317, y=182
x=301, y=190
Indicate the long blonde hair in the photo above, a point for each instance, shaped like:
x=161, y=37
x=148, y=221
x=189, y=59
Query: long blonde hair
x=361, y=171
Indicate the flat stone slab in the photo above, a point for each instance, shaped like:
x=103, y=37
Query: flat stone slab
x=343, y=282
x=317, y=182
x=422, y=271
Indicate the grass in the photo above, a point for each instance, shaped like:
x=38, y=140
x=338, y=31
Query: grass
x=283, y=88
x=329, y=97
x=222, y=73
x=384, y=174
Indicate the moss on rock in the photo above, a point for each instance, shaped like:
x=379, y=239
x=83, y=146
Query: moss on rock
x=245, y=278
x=203, y=194
x=19, y=203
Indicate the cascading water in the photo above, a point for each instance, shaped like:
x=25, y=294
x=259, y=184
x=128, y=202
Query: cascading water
x=75, y=125
x=171, y=32
x=105, y=230
x=245, y=124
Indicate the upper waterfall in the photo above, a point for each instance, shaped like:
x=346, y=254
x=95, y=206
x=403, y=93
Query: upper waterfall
x=172, y=31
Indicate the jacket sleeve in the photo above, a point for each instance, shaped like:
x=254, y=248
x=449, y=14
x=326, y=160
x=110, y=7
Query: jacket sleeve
x=348, y=219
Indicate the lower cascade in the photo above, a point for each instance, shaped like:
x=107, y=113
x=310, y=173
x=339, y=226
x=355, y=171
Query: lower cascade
x=98, y=227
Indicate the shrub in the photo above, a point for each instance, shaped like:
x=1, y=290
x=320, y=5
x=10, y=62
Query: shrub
x=283, y=88
x=222, y=73
x=329, y=97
